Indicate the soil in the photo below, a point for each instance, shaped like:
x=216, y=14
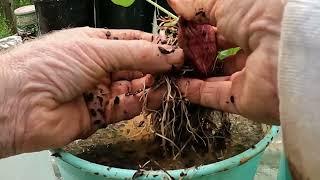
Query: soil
x=132, y=145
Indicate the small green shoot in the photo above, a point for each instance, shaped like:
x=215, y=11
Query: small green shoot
x=227, y=53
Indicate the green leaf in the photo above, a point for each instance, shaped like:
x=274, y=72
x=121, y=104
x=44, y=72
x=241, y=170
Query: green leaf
x=124, y=3
x=227, y=53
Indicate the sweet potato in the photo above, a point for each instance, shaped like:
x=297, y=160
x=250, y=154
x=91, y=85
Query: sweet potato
x=199, y=44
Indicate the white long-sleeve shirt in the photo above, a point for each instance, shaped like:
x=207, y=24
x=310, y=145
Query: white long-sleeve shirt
x=299, y=87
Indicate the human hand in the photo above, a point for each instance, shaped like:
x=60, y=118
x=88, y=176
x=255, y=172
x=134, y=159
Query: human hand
x=254, y=25
x=42, y=100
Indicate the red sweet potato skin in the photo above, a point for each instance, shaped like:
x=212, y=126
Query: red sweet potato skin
x=198, y=42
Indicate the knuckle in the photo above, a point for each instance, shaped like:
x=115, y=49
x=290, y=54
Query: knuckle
x=202, y=90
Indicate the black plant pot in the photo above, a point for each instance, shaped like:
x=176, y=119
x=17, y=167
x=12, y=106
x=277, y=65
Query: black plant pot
x=59, y=14
x=138, y=16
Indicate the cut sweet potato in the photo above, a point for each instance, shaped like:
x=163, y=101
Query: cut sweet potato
x=199, y=45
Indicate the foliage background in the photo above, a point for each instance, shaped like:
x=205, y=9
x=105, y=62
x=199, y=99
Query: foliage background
x=4, y=24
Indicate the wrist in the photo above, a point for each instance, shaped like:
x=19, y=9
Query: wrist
x=266, y=26
x=13, y=106
x=7, y=122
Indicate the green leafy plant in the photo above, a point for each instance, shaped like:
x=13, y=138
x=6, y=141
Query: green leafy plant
x=19, y=3
x=4, y=28
x=124, y=3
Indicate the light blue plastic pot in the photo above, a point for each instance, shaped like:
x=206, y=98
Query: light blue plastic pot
x=240, y=167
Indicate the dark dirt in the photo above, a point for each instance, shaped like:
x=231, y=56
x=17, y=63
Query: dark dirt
x=108, y=34
x=164, y=51
x=131, y=144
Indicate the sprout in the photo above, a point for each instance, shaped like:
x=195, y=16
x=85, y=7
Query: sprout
x=227, y=53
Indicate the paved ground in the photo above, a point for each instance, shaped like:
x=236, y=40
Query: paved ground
x=35, y=166
x=269, y=166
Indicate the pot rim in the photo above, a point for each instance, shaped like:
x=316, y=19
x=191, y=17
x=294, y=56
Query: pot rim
x=203, y=170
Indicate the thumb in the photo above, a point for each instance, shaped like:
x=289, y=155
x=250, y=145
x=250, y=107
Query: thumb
x=73, y=66
x=135, y=55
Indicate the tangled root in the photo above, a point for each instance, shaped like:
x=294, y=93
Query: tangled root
x=182, y=126
x=179, y=125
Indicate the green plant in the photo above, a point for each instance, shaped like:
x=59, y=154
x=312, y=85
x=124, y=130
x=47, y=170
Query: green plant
x=19, y=3
x=4, y=28
x=227, y=53
x=124, y=3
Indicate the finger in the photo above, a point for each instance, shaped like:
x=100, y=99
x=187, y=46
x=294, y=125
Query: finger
x=96, y=101
x=105, y=81
x=127, y=107
x=90, y=60
x=216, y=79
x=133, y=55
x=90, y=32
x=128, y=34
x=120, y=87
x=195, y=10
x=131, y=87
x=75, y=33
x=116, y=34
x=126, y=75
x=216, y=94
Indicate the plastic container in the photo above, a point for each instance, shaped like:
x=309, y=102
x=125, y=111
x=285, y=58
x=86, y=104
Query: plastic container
x=26, y=20
x=242, y=166
x=60, y=14
x=137, y=16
